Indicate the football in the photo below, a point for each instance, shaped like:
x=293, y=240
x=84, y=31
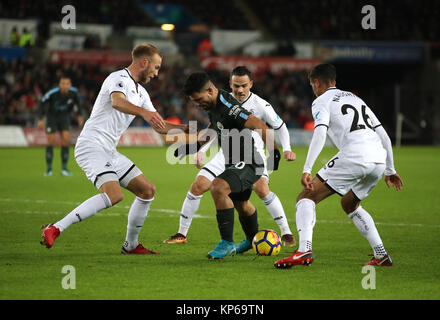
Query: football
x=266, y=242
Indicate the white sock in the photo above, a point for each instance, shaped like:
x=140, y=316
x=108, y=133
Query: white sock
x=305, y=221
x=275, y=208
x=136, y=217
x=365, y=224
x=189, y=208
x=85, y=210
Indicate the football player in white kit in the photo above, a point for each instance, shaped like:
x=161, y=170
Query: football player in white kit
x=365, y=155
x=120, y=99
x=240, y=83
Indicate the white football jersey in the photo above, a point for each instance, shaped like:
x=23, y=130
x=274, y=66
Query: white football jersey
x=351, y=125
x=106, y=124
x=263, y=110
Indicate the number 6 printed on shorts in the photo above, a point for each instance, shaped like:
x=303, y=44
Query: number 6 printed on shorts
x=331, y=163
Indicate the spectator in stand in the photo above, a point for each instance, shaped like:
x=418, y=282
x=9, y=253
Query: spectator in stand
x=14, y=37
x=26, y=39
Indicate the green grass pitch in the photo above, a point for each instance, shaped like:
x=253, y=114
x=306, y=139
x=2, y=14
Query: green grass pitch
x=408, y=221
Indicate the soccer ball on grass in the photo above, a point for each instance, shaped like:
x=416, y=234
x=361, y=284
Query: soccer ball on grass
x=266, y=242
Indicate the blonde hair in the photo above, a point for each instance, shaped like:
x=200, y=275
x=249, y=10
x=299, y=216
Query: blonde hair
x=144, y=50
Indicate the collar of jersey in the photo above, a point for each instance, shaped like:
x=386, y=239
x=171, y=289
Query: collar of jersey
x=331, y=88
x=136, y=83
x=250, y=93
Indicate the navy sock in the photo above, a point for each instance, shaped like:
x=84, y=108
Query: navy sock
x=49, y=157
x=249, y=225
x=225, y=221
x=64, y=157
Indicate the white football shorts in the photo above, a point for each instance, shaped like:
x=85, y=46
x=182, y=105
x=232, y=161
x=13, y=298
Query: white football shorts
x=216, y=166
x=101, y=165
x=342, y=175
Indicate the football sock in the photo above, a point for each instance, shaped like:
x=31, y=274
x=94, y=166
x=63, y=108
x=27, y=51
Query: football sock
x=305, y=221
x=249, y=225
x=85, y=210
x=189, y=208
x=365, y=224
x=225, y=221
x=275, y=208
x=49, y=157
x=64, y=157
x=136, y=217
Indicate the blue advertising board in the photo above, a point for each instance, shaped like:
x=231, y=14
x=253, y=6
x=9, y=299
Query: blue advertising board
x=363, y=52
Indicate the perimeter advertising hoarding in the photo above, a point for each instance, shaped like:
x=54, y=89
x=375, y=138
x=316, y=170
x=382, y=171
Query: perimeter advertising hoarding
x=370, y=52
x=259, y=64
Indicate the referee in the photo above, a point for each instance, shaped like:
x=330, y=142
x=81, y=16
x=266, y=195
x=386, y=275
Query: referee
x=57, y=105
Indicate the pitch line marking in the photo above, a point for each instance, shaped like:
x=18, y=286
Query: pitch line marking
x=171, y=211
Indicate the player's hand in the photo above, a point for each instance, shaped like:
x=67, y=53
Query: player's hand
x=289, y=155
x=394, y=180
x=155, y=119
x=198, y=159
x=306, y=181
x=274, y=160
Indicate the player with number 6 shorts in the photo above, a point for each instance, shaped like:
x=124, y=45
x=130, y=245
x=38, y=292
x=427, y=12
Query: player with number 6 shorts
x=364, y=156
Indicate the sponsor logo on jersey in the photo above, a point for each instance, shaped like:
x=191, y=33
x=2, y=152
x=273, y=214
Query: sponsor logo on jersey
x=235, y=111
x=316, y=115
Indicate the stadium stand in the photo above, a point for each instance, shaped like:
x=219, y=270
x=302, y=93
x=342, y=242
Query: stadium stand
x=25, y=79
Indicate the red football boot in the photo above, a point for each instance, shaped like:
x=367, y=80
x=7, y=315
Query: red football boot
x=298, y=258
x=385, y=261
x=50, y=233
x=138, y=250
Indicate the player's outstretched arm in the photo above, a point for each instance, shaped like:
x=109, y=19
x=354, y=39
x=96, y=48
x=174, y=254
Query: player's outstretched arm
x=284, y=138
x=123, y=105
x=207, y=136
x=315, y=148
x=170, y=126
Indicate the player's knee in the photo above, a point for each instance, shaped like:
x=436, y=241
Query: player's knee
x=115, y=197
x=219, y=188
x=199, y=187
x=261, y=188
x=147, y=192
x=306, y=194
x=348, y=205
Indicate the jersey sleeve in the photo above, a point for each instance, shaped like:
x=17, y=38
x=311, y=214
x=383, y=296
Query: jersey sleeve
x=321, y=113
x=116, y=83
x=237, y=117
x=271, y=117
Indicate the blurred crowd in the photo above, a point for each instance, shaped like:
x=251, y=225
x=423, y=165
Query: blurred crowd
x=283, y=19
x=23, y=82
x=341, y=19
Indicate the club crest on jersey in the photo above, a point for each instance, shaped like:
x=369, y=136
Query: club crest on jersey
x=220, y=125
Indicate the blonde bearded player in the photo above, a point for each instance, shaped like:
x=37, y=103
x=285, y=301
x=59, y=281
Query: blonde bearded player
x=120, y=99
x=240, y=83
x=364, y=156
